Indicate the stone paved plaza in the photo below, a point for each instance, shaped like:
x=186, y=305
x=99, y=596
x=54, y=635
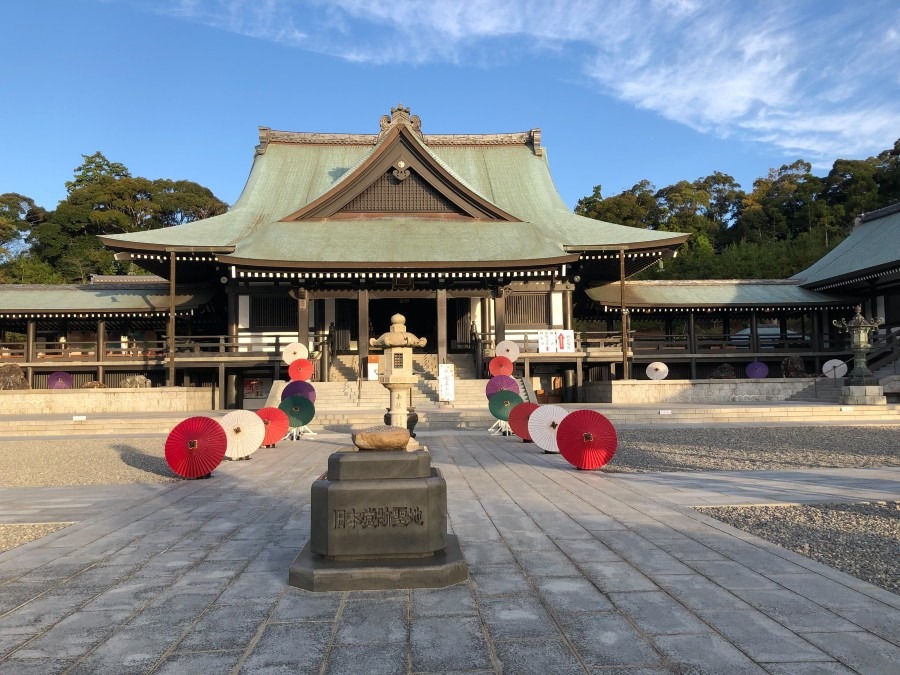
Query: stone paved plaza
x=571, y=572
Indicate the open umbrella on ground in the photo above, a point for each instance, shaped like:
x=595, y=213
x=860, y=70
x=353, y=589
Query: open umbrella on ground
x=507, y=348
x=834, y=368
x=502, y=403
x=586, y=439
x=299, y=388
x=195, y=447
x=301, y=370
x=542, y=426
x=657, y=370
x=59, y=380
x=501, y=383
x=518, y=420
x=757, y=370
x=500, y=365
x=245, y=432
x=299, y=409
x=276, y=422
x=294, y=351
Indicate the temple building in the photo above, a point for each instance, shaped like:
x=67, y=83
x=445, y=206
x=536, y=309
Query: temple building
x=465, y=235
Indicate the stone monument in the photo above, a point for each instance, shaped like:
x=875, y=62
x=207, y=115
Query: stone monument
x=862, y=388
x=378, y=516
x=397, y=374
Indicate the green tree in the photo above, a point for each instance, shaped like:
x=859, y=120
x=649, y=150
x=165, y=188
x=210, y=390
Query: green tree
x=635, y=207
x=18, y=214
x=103, y=199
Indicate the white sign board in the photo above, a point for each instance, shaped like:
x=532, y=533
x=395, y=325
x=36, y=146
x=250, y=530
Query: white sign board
x=446, y=382
x=550, y=341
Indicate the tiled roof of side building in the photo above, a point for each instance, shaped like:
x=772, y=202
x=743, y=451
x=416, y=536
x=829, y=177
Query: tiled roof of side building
x=98, y=298
x=725, y=293
x=874, y=245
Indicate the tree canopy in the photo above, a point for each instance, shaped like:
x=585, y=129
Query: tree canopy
x=103, y=198
x=790, y=218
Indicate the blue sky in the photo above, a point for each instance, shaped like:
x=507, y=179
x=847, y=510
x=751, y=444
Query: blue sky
x=662, y=90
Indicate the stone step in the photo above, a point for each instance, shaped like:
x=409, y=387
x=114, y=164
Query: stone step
x=445, y=417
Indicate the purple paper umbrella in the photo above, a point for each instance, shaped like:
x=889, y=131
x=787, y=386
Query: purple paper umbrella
x=299, y=388
x=501, y=383
x=757, y=370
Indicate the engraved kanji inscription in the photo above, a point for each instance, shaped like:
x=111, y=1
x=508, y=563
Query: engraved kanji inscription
x=391, y=516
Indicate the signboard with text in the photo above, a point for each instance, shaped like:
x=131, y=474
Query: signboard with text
x=446, y=382
x=550, y=341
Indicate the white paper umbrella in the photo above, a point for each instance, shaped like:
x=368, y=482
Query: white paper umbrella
x=542, y=426
x=245, y=432
x=834, y=368
x=507, y=348
x=657, y=370
x=294, y=351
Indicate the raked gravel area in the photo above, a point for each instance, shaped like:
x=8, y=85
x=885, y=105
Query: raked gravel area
x=860, y=539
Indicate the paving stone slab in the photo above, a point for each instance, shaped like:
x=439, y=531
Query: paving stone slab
x=538, y=658
x=607, y=639
x=378, y=659
x=439, y=645
x=372, y=622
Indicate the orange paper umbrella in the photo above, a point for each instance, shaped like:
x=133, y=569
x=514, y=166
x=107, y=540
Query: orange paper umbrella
x=301, y=370
x=276, y=422
x=500, y=365
x=518, y=420
x=195, y=447
x=586, y=439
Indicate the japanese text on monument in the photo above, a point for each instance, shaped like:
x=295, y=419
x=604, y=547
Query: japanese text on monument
x=396, y=516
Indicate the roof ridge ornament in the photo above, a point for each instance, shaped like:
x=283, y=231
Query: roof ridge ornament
x=400, y=115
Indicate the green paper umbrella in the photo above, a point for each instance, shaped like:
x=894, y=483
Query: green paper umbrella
x=502, y=402
x=300, y=410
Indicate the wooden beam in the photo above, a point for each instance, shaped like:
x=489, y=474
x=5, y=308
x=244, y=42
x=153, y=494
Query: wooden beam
x=171, y=375
x=442, y=325
x=362, y=339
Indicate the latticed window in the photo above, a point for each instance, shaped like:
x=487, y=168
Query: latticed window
x=273, y=313
x=389, y=194
x=528, y=310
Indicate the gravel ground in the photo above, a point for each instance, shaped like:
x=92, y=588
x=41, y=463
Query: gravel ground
x=16, y=535
x=755, y=448
x=860, y=539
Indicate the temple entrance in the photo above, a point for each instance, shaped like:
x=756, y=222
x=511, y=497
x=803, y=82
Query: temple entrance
x=420, y=313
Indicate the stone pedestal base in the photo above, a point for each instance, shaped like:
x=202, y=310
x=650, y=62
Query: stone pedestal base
x=863, y=395
x=315, y=573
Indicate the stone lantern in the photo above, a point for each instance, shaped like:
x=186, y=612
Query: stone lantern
x=397, y=375
x=862, y=388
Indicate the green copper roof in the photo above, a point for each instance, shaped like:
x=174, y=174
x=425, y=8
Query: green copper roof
x=730, y=293
x=293, y=170
x=109, y=299
x=873, y=246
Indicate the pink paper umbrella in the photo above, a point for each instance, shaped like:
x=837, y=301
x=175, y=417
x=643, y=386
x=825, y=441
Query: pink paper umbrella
x=501, y=383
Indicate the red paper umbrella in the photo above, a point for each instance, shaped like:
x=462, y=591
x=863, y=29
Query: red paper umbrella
x=301, y=370
x=276, y=422
x=500, y=365
x=298, y=388
x=195, y=447
x=586, y=439
x=518, y=420
x=59, y=380
x=501, y=383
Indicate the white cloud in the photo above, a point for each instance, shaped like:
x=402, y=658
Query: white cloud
x=816, y=78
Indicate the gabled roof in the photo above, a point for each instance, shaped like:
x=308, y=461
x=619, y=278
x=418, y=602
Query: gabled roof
x=872, y=249
x=726, y=294
x=130, y=298
x=495, y=199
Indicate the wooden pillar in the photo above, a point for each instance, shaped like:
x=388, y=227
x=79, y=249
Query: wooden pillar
x=499, y=315
x=692, y=344
x=30, y=331
x=442, y=325
x=568, y=310
x=302, y=316
x=101, y=348
x=171, y=376
x=625, y=372
x=485, y=323
x=232, y=319
x=754, y=332
x=222, y=390
x=362, y=339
